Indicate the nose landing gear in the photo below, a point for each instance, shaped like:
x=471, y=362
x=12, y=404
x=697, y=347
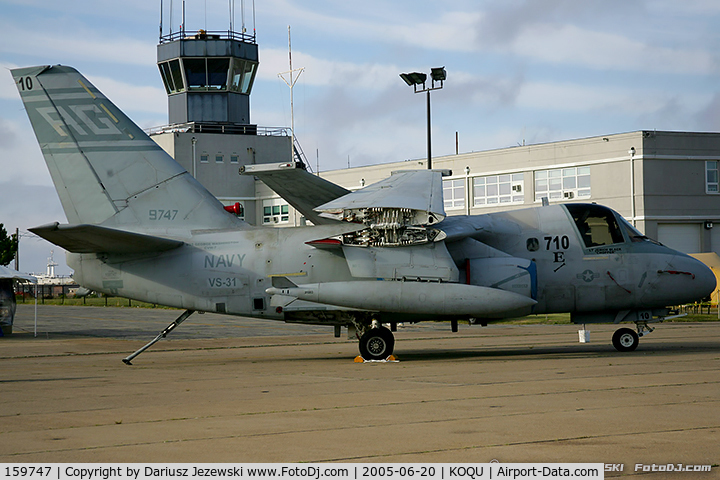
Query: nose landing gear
x=625, y=340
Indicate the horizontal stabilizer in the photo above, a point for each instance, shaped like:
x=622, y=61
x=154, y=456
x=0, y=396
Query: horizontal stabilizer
x=301, y=189
x=96, y=239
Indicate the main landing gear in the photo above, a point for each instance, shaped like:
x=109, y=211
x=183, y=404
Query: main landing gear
x=376, y=342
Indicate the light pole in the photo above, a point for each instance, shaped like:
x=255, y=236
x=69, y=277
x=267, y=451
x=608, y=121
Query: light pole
x=417, y=78
x=632, y=184
x=194, y=143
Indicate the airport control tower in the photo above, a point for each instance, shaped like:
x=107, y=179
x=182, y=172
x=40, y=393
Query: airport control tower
x=208, y=77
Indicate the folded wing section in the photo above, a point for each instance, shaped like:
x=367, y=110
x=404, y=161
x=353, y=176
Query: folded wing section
x=397, y=211
x=415, y=193
x=301, y=189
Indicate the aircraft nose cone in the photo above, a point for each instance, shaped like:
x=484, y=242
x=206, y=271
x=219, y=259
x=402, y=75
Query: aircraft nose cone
x=706, y=279
x=702, y=279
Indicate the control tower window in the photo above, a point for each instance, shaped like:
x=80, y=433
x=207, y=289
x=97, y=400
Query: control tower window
x=242, y=76
x=177, y=75
x=597, y=224
x=218, y=73
x=172, y=76
x=166, y=78
x=196, y=73
x=206, y=73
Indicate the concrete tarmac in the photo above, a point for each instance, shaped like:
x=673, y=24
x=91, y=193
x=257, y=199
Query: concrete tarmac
x=229, y=389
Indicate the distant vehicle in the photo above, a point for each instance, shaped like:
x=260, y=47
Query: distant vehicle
x=8, y=305
x=142, y=227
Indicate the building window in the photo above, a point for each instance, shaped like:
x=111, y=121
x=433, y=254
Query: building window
x=275, y=211
x=562, y=183
x=234, y=158
x=496, y=189
x=218, y=158
x=204, y=158
x=711, y=176
x=454, y=193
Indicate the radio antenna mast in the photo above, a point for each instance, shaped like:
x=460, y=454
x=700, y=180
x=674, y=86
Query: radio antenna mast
x=290, y=81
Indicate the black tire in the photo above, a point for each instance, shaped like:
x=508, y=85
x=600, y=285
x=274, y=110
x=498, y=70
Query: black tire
x=625, y=340
x=377, y=344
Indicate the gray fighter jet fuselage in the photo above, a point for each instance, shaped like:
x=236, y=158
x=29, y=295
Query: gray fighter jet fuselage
x=141, y=227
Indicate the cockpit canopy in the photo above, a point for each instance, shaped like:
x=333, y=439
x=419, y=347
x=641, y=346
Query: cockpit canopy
x=600, y=226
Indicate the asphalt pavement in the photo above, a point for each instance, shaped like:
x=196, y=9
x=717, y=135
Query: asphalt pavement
x=230, y=389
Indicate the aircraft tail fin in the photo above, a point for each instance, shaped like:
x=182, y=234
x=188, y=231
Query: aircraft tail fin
x=106, y=170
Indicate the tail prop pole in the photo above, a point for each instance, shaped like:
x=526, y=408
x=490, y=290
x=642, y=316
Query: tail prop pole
x=163, y=334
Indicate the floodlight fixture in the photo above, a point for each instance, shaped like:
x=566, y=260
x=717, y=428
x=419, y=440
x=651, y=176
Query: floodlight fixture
x=418, y=77
x=414, y=78
x=406, y=78
x=438, y=74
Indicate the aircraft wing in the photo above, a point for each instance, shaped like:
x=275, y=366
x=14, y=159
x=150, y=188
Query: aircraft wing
x=97, y=239
x=301, y=189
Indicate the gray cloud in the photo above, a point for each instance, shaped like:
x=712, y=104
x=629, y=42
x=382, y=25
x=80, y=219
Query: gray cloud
x=708, y=119
x=503, y=22
x=490, y=92
x=8, y=138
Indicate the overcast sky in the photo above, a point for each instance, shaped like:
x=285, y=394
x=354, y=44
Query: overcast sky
x=519, y=71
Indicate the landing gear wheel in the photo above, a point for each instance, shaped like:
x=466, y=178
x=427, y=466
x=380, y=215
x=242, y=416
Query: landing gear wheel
x=625, y=340
x=377, y=344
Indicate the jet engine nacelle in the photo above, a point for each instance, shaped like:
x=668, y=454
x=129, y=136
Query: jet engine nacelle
x=516, y=275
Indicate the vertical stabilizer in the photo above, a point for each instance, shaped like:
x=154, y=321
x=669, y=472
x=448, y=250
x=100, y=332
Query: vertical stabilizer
x=105, y=168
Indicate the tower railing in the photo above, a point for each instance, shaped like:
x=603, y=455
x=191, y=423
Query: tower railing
x=208, y=35
x=211, y=127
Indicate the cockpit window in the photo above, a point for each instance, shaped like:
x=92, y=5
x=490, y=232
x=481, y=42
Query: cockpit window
x=634, y=234
x=597, y=224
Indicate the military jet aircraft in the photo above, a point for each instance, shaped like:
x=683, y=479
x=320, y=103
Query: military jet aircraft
x=142, y=227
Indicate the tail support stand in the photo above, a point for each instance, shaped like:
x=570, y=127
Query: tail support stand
x=163, y=334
